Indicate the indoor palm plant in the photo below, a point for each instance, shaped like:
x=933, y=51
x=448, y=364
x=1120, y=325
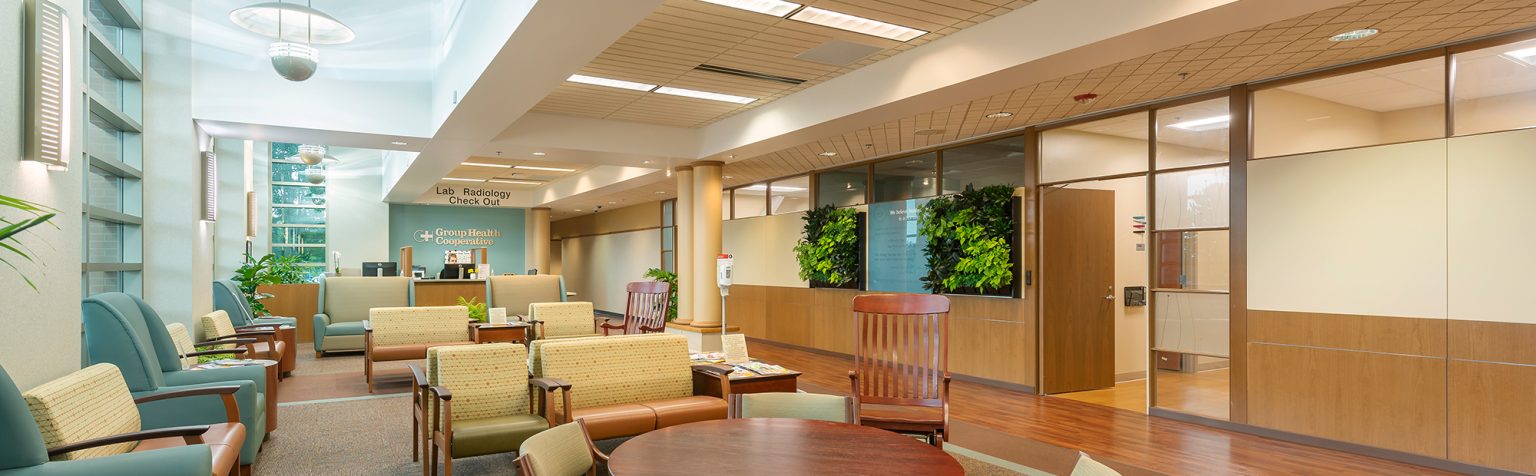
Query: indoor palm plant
x=34, y=214
x=269, y=269
x=969, y=241
x=828, y=251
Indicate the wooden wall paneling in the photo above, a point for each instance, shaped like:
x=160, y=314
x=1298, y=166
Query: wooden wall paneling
x=833, y=329
x=747, y=308
x=1492, y=420
x=1506, y=342
x=989, y=349
x=1393, y=335
x=1389, y=401
x=448, y=292
x=299, y=301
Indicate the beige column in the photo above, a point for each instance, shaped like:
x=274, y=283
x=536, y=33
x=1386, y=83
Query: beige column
x=538, y=241
x=706, y=243
x=682, y=216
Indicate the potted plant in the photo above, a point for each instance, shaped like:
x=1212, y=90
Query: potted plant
x=476, y=308
x=658, y=274
x=830, y=251
x=267, y=270
x=970, y=247
x=36, y=214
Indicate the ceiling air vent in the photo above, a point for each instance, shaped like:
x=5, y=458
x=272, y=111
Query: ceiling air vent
x=839, y=52
x=749, y=74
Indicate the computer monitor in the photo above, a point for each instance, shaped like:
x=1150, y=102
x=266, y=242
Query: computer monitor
x=455, y=270
x=385, y=268
x=418, y=271
x=533, y=271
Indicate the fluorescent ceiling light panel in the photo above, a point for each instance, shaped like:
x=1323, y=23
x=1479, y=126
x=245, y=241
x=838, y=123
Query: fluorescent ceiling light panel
x=546, y=169
x=516, y=182
x=777, y=188
x=1524, y=55
x=612, y=83
x=456, y=179
x=856, y=24
x=1205, y=124
x=704, y=95
x=776, y=8
x=477, y=164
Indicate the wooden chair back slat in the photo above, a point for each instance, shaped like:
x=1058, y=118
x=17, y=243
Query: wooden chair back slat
x=646, y=308
x=901, y=352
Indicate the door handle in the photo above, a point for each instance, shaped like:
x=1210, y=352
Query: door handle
x=1111, y=294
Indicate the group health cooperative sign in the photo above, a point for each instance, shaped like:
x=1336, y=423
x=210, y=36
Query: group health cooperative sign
x=458, y=237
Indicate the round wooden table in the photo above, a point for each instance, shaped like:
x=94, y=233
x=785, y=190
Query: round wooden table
x=777, y=446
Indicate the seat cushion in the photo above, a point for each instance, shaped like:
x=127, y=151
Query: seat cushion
x=409, y=351
x=494, y=435
x=613, y=421
x=344, y=329
x=902, y=417
x=678, y=411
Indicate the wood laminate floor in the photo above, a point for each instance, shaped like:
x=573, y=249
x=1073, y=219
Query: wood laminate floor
x=1203, y=393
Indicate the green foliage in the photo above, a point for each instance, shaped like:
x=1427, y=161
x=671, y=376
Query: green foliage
x=476, y=308
x=34, y=215
x=269, y=269
x=968, y=240
x=670, y=278
x=828, y=251
x=203, y=359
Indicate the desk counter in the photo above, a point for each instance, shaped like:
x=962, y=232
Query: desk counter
x=446, y=292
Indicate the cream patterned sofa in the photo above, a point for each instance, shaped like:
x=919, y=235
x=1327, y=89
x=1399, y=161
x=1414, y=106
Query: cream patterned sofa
x=628, y=386
x=344, y=305
x=405, y=333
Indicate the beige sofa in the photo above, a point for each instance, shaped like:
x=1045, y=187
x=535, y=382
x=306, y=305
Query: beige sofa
x=625, y=386
x=344, y=305
x=405, y=333
x=515, y=293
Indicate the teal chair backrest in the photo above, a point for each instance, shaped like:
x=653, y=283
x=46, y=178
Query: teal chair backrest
x=123, y=330
x=23, y=442
x=228, y=298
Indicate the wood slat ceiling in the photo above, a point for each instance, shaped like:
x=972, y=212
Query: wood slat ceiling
x=1280, y=48
x=681, y=34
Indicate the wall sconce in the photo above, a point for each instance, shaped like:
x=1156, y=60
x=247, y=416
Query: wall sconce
x=210, y=186
x=48, y=96
x=250, y=216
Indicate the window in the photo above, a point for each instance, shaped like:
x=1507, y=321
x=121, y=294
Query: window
x=112, y=243
x=1194, y=134
x=790, y=195
x=298, y=211
x=1113, y=146
x=906, y=178
x=1000, y=162
x=669, y=235
x=725, y=205
x=1495, y=88
x=750, y=201
x=842, y=188
x=1387, y=105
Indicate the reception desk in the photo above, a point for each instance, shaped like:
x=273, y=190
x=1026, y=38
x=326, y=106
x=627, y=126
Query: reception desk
x=446, y=292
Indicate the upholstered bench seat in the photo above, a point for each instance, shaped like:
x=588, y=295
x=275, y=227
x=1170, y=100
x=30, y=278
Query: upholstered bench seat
x=491, y=435
x=626, y=386
x=612, y=421
x=405, y=333
x=382, y=353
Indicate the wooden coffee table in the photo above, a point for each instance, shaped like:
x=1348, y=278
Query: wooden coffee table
x=777, y=446
x=511, y=332
x=705, y=383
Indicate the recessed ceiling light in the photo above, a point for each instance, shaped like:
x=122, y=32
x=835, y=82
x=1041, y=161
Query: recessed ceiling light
x=540, y=154
x=856, y=24
x=776, y=188
x=477, y=164
x=704, y=95
x=929, y=132
x=611, y=202
x=397, y=143
x=1204, y=124
x=999, y=115
x=300, y=24
x=1525, y=55
x=456, y=179
x=828, y=154
x=612, y=83
x=645, y=162
x=767, y=7
x=546, y=169
x=516, y=182
x=1353, y=35
x=661, y=193
x=726, y=177
x=578, y=209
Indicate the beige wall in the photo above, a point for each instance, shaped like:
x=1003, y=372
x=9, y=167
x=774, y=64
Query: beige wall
x=764, y=249
x=1491, y=195
x=597, y=267
x=630, y=218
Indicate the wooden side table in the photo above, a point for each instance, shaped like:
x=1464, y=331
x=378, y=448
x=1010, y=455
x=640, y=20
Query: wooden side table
x=706, y=384
x=510, y=332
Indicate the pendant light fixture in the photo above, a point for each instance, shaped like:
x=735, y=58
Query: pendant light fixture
x=294, y=61
x=312, y=154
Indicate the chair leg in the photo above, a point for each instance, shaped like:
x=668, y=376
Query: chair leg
x=368, y=372
x=415, y=431
x=447, y=457
x=431, y=460
x=245, y=470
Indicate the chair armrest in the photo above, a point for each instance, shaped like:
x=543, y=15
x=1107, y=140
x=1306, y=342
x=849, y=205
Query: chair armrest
x=550, y=384
x=260, y=335
x=270, y=327
x=718, y=370
x=237, y=350
x=603, y=323
x=192, y=434
x=368, y=325
x=225, y=393
x=236, y=341
x=441, y=392
x=418, y=376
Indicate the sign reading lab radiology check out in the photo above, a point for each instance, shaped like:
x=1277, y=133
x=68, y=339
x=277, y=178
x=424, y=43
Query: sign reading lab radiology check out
x=467, y=196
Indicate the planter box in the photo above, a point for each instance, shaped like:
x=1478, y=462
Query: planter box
x=299, y=301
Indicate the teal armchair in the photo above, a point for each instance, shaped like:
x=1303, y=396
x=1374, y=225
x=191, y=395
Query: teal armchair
x=228, y=298
x=123, y=330
x=344, y=304
x=25, y=454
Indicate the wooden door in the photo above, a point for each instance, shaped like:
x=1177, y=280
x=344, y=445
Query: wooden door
x=1078, y=266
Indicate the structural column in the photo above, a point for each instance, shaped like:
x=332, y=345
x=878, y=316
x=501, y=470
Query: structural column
x=682, y=217
x=538, y=240
x=706, y=243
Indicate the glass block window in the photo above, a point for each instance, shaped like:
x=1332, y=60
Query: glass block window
x=298, y=211
x=112, y=105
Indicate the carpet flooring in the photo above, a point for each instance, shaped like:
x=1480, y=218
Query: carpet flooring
x=371, y=436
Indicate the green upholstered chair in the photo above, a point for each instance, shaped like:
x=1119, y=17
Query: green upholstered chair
x=515, y=293
x=480, y=402
x=344, y=305
x=124, y=331
x=25, y=453
x=1088, y=467
x=565, y=450
x=563, y=320
x=228, y=298
x=806, y=406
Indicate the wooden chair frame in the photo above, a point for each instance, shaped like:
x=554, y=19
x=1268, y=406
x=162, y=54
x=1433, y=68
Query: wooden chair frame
x=432, y=419
x=525, y=462
x=645, y=310
x=901, y=358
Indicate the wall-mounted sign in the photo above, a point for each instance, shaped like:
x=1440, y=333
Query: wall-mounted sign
x=468, y=196
x=896, y=259
x=458, y=237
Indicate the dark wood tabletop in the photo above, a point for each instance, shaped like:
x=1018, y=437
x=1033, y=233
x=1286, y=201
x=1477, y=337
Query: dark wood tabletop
x=777, y=446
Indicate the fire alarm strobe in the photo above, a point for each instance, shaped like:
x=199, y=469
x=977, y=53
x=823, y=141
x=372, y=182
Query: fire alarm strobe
x=1085, y=98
